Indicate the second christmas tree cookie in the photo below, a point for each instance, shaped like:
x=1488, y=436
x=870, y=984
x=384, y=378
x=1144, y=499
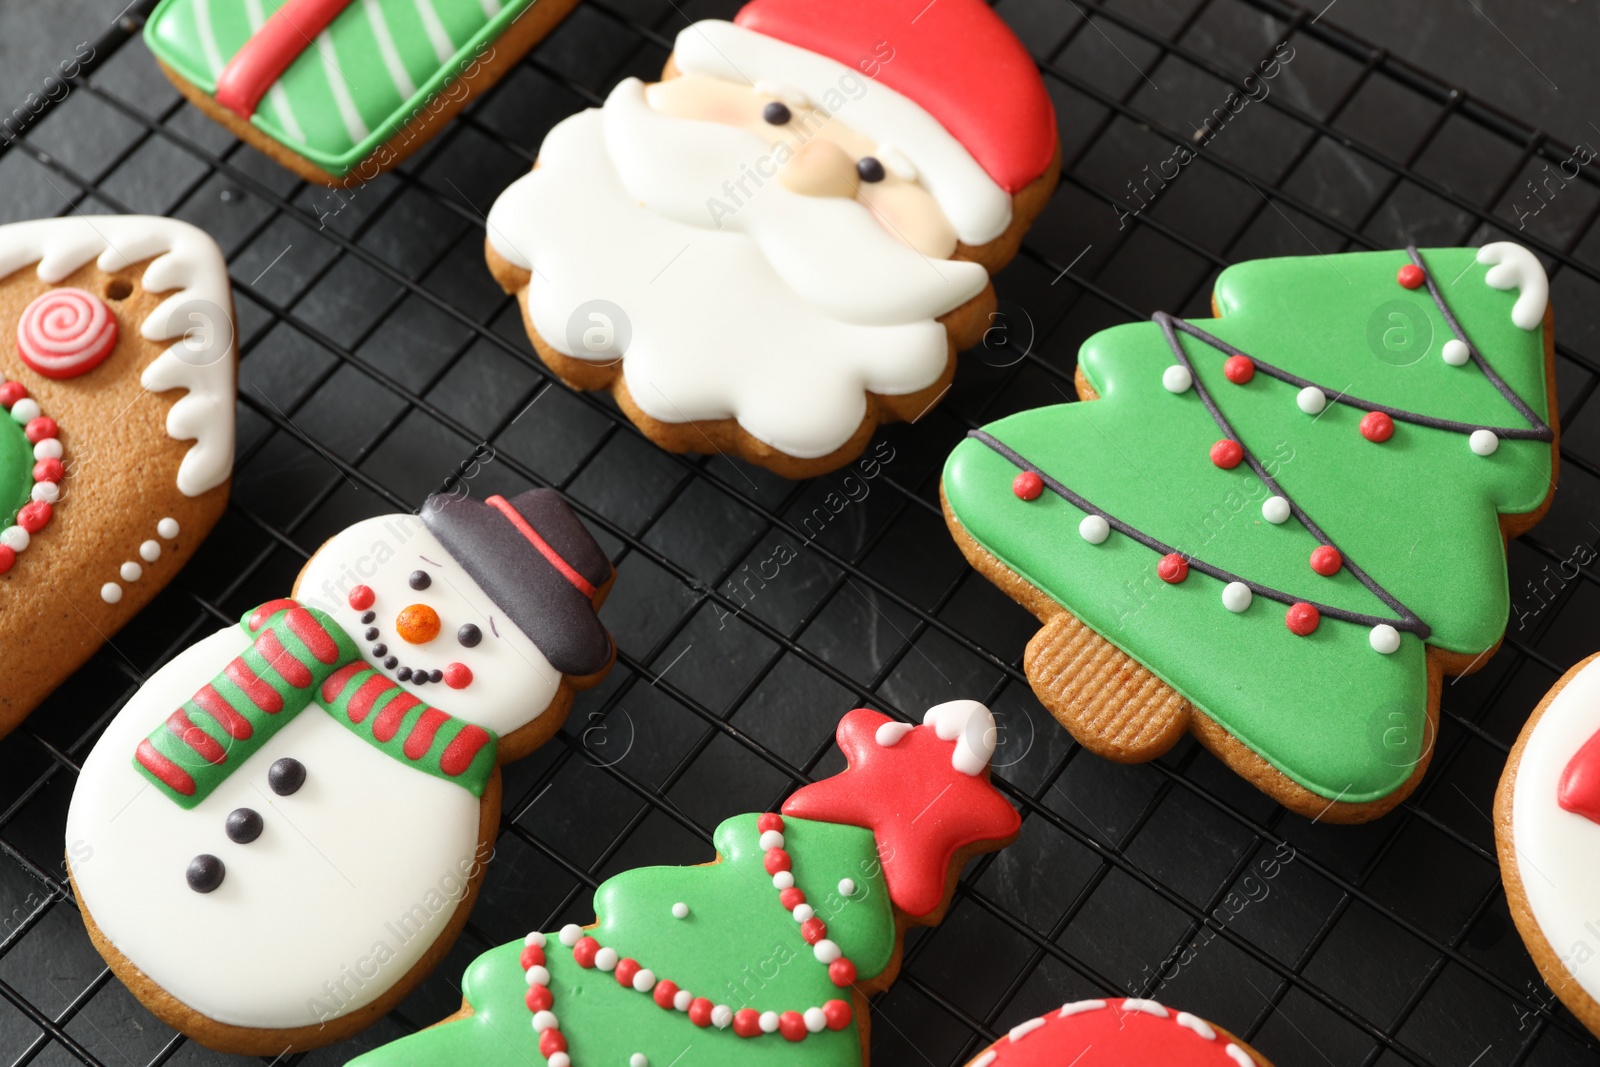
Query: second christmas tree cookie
x=1279, y=528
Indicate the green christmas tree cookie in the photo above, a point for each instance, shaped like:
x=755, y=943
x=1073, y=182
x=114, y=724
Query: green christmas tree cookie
x=1279, y=528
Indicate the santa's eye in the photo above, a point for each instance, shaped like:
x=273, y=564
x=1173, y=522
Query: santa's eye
x=469, y=635
x=420, y=580
x=776, y=113
x=869, y=169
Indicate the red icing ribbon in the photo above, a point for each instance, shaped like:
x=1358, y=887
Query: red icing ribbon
x=1579, y=789
x=65, y=333
x=257, y=66
x=545, y=549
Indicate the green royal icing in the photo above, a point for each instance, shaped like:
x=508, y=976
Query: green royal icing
x=736, y=932
x=16, y=470
x=1418, y=512
x=309, y=111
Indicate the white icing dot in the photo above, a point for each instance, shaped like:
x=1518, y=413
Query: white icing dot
x=771, y=839
x=49, y=492
x=721, y=1016
x=546, y=1020
x=1483, y=442
x=560, y=1059
x=537, y=975
x=1078, y=1007
x=768, y=1022
x=890, y=733
x=1022, y=1030
x=644, y=980
x=150, y=551
x=25, y=410
x=570, y=934
x=847, y=888
x=536, y=939
x=1094, y=529
x=49, y=448
x=783, y=880
x=1311, y=400
x=1236, y=596
x=1177, y=378
x=1384, y=638
x=680, y=910
x=1198, y=1025
x=131, y=572
x=815, y=1020
x=1234, y=1053
x=638, y=1059
x=15, y=538
x=167, y=528
x=1149, y=1007
x=1455, y=352
x=111, y=592
x=682, y=999
x=606, y=959
x=826, y=951
x=802, y=912
x=1275, y=510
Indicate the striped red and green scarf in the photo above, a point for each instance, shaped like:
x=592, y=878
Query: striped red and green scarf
x=302, y=656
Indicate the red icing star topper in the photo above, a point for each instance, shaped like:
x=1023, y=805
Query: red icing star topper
x=923, y=791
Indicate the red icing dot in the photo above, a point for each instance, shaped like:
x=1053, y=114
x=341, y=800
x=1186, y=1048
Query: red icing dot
x=458, y=676
x=8, y=556
x=838, y=1013
x=1239, y=369
x=1173, y=568
x=1227, y=454
x=1302, y=619
x=1411, y=276
x=551, y=1042
x=747, y=1022
x=1027, y=485
x=777, y=860
x=626, y=969
x=34, y=516
x=49, y=470
x=361, y=598
x=664, y=992
x=813, y=930
x=583, y=952
x=1377, y=427
x=792, y=1025
x=10, y=393
x=700, y=1011
x=1326, y=561
x=791, y=898
x=770, y=821
x=532, y=956
x=539, y=998
x=841, y=972
x=41, y=428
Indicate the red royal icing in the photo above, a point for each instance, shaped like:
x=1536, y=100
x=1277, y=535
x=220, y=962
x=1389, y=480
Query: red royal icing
x=1579, y=789
x=1302, y=619
x=1411, y=276
x=918, y=806
x=956, y=59
x=1111, y=1034
x=257, y=66
x=1377, y=427
x=8, y=557
x=1172, y=568
x=1027, y=485
x=10, y=393
x=65, y=333
x=1227, y=453
x=361, y=597
x=1239, y=369
x=1326, y=561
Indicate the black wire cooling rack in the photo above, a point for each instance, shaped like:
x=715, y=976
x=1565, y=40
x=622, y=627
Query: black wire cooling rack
x=380, y=362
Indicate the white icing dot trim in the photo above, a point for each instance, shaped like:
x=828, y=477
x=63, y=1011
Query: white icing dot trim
x=1022, y=1030
x=545, y=1020
x=721, y=1016
x=682, y=999
x=768, y=1022
x=1149, y=1007
x=1078, y=1007
x=771, y=839
x=783, y=880
x=1455, y=352
x=847, y=888
x=606, y=959
x=560, y=1059
x=1197, y=1024
x=680, y=910
x=1094, y=529
x=1236, y=597
x=890, y=733
x=802, y=912
x=1311, y=400
x=815, y=1021
x=1177, y=379
x=570, y=934
x=1275, y=509
x=984, y=1060
x=111, y=592
x=1483, y=442
x=535, y=940
x=1384, y=638
x=826, y=951
x=638, y=1059
x=150, y=551
x=644, y=980
x=1239, y=1056
x=168, y=528
x=537, y=975
x=131, y=571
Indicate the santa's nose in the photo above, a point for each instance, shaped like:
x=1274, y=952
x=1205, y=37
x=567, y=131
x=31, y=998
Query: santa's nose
x=417, y=624
x=821, y=168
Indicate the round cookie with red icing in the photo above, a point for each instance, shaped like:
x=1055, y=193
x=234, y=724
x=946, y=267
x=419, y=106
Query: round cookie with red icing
x=1547, y=829
x=117, y=366
x=285, y=828
x=1118, y=1033
x=812, y=201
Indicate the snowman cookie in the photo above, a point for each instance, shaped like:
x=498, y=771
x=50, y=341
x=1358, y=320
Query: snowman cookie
x=1118, y=1033
x=1547, y=828
x=285, y=828
x=811, y=202
x=117, y=367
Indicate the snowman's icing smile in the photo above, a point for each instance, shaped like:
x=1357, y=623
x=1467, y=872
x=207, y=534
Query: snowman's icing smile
x=413, y=624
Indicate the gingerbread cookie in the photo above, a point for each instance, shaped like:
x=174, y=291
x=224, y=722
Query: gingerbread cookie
x=1118, y=1033
x=1547, y=829
x=785, y=242
x=768, y=954
x=275, y=863
x=339, y=91
x=1278, y=528
x=117, y=368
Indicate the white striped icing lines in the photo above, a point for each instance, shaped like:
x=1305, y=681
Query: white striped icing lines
x=132, y=570
x=1127, y=1033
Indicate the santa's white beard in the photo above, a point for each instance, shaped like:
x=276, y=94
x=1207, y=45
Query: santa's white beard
x=780, y=315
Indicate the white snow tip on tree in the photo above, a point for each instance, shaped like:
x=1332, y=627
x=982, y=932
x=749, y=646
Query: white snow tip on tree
x=971, y=726
x=1514, y=267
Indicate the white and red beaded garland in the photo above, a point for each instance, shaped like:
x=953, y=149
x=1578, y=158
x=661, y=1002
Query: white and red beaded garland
x=48, y=471
x=746, y=1022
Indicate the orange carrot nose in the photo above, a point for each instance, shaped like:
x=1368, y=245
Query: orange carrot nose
x=417, y=624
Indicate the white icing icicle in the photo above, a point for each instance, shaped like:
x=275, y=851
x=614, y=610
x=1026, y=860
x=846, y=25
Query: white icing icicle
x=971, y=726
x=1514, y=267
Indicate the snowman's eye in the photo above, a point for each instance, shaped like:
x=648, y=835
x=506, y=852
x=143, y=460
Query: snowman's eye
x=469, y=635
x=420, y=580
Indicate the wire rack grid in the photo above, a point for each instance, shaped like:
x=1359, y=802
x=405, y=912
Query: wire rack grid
x=380, y=363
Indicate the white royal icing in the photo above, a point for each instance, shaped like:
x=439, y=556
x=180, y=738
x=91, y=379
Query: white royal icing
x=978, y=208
x=1149, y=1007
x=1022, y=1030
x=185, y=260
x=1558, y=851
x=1078, y=1007
x=890, y=733
x=1514, y=267
x=971, y=726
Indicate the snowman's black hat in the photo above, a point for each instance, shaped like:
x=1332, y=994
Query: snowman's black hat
x=539, y=565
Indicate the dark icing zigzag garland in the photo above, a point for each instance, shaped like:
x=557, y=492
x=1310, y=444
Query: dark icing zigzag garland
x=1407, y=620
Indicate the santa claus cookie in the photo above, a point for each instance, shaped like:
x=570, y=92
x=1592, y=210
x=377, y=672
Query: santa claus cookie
x=117, y=368
x=1118, y=1033
x=765, y=956
x=1547, y=827
x=285, y=829
x=1278, y=528
x=784, y=242
x=339, y=91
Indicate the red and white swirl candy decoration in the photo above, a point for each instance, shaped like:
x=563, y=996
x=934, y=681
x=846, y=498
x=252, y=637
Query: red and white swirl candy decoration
x=65, y=333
